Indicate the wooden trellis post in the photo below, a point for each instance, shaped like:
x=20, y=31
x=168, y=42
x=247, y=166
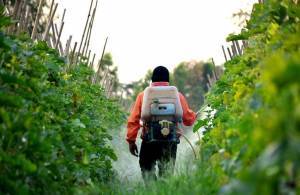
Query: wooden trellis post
x=67, y=48
x=88, y=58
x=229, y=52
x=92, y=62
x=73, y=54
x=84, y=31
x=224, y=53
x=37, y=18
x=51, y=16
x=88, y=37
x=59, y=35
x=238, y=47
x=100, y=61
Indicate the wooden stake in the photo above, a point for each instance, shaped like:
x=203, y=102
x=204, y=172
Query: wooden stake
x=14, y=15
x=59, y=35
x=92, y=62
x=229, y=52
x=238, y=47
x=224, y=53
x=20, y=10
x=83, y=34
x=88, y=37
x=88, y=58
x=66, y=52
x=25, y=25
x=63, y=17
x=49, y=16
x=214, y=69
x=102, y=55
x=21, y=17
x=16, y=8
x=53, y=37
x=73, y=54
x=233, y=51
x=245, y=44
x=45, y=37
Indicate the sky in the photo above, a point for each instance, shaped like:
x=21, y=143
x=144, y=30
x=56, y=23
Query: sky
x=143, y=34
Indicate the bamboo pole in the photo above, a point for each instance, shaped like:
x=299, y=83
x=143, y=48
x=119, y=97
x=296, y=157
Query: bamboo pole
x=224, y=53
x=53, y=37
x=59, y=43
x=73, y=54
x=14, y=15
x=214, y=69
x=85, y=42
x=66, y=52
x=100, y=62
x=51, y=16
x=51, y=8
x=19, y=13
x=88, y=58
x=33, y=35
x=91, y=24
x=102, y=55
x=63, y=17
x=84, y=31
x=234, y=49
x=92, y=62
x=27, y=18
x=21, y=17
x=16, y=8
x=56, y=29
x=229, y=52
x=238, y=47
x=59, y=35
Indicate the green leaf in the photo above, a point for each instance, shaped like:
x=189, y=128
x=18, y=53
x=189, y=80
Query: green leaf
x=78, y=123
x=199, y=124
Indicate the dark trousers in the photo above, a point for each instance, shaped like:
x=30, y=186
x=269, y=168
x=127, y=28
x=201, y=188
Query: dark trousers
x=164, y=153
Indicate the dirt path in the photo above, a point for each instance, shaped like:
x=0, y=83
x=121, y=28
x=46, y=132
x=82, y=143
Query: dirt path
x=127, y=165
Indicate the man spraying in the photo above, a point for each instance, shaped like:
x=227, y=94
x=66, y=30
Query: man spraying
x=161, y=109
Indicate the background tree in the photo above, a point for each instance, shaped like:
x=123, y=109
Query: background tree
x=191, y=79
x=109, y=75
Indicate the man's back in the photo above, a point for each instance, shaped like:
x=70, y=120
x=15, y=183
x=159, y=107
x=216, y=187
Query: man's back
x=161, y=152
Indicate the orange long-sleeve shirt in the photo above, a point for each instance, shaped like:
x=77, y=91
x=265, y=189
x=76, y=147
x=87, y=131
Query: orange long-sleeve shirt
x=133, y=124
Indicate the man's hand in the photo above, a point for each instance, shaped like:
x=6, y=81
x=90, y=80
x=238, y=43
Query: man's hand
x=133, y=149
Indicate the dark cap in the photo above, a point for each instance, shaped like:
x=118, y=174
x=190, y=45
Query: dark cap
x=160, y=74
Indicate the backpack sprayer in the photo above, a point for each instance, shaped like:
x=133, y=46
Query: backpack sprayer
x=162, y=114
